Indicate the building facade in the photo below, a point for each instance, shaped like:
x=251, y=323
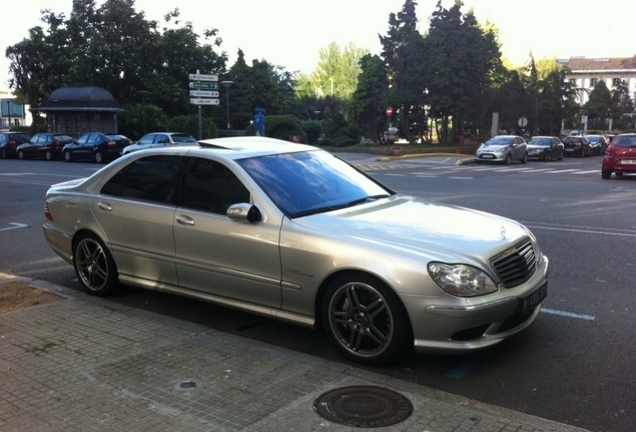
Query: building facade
x=585, y=73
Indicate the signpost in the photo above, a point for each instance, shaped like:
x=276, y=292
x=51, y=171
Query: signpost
x=204, y=92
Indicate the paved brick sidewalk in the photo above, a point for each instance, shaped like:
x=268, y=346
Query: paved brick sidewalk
x=87, y=364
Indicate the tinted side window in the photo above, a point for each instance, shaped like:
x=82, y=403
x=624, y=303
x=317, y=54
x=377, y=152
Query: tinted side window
x=213, y=187
x=147, y=139
x=153, y=178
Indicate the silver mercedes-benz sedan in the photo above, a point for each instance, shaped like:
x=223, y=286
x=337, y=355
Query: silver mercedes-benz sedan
x=292, y=232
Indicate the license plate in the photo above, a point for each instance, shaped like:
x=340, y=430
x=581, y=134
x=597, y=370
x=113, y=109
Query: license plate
x=487, y=156
x=569, y=150
x=530, y=301
x=629, y=161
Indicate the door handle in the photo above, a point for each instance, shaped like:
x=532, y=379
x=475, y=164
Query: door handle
x=104, y=206
x=185, y=220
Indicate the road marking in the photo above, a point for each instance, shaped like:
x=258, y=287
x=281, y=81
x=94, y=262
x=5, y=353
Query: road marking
x=587, y=172
x=461, y=178
x=15, y=225
x=580, y=230
x=562, y=171
x=568, y=314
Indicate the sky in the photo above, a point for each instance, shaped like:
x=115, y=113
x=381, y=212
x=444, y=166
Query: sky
x=290, y=33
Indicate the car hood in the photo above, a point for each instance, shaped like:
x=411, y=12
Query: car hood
x=414, y=226
x=493, y=147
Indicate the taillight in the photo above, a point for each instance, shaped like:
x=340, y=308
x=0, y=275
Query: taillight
x=111, y=144
x=47, y=212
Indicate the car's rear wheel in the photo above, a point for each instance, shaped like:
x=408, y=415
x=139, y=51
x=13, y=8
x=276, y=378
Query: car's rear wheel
x=94, y=266
x=3, y=153
x=606, y=174
x=47, y=155
x=366, y=320
x=99, y=157
x=67, y=156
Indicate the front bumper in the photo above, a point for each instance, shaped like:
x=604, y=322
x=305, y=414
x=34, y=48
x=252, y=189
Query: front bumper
x=453, y=328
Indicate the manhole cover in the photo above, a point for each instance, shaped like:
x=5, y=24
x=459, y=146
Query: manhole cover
x=363, y=406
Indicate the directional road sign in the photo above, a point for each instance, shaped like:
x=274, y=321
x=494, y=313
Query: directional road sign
x=202, y=77
x=204, y=85
x=199, y=101
x=204, y=93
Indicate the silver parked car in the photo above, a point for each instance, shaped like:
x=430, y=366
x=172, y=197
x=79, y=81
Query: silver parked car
x=503, y=149
x=292, y=232
x=161, y=139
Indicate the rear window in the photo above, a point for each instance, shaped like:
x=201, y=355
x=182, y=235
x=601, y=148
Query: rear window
x=180, y=138
x=569, y=140
x=624, y=141
x=64, y=137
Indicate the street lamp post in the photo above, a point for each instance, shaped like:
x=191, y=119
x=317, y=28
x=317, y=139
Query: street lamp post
x=143, y=94
x=227, y=85
x=9, y=109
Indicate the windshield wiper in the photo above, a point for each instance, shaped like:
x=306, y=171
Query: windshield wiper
x=340, y=206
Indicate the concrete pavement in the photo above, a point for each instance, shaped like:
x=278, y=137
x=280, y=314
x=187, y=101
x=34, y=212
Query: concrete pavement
x=88, y=364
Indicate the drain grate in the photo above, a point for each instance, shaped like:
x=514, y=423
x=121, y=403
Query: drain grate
x=363, y=406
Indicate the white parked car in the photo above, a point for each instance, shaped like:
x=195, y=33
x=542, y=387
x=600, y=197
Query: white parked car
x=161, y=139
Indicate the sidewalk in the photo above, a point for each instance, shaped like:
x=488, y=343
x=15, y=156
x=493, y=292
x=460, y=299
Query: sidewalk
x=87, y=364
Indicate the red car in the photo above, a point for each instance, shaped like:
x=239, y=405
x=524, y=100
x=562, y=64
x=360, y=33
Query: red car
x=620, y=156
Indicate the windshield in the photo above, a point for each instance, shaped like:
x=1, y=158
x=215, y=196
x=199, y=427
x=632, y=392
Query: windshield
x=311, y=182
x=543, y=142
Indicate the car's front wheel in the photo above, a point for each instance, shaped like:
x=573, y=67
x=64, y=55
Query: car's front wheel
x=508, y=160
x=547, y=157
x=366, y=320
x=94, y=266
x=67, y=156
x=525, y=158
x=21, y=155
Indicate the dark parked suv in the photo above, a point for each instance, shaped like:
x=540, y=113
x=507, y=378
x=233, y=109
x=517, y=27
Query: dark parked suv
x=44, y=145
x=98, y=146
x=577, y=145
x=9, y=142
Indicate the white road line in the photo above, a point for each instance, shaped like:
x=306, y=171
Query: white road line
x=14, y=225
x=568, y=314
x=587, y=172
x=462, y=178
x=562, y=171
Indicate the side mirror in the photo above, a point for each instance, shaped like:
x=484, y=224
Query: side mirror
x=244, y=212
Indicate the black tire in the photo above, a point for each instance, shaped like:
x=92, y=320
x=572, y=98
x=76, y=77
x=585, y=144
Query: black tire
x=525, y=158
x=99, y=157
x=606, y=174
x=94, y=266
x=366, y=320
x=547, y=157
x=48, y=156
x=3, y=153
x=21, y=155
x=508, y=160
x=67, y=156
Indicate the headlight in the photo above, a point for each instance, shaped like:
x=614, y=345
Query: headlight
x=501, y=150
x=461, y=280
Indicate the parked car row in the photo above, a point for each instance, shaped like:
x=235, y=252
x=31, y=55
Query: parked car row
x=96, y=146
x=508, y=148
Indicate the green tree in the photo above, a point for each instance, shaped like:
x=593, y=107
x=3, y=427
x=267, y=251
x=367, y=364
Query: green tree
x=369, y=99
x=599, y=104
x=405, y=54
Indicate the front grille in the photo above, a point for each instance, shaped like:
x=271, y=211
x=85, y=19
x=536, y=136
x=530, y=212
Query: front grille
x=517, y=265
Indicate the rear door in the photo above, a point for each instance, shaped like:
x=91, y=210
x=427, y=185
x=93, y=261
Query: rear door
x=135, y=209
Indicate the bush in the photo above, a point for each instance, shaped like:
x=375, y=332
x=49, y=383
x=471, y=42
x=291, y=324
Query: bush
x=313, y=130
x=281, y=127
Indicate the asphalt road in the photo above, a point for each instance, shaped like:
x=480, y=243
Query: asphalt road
x=575, y=365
